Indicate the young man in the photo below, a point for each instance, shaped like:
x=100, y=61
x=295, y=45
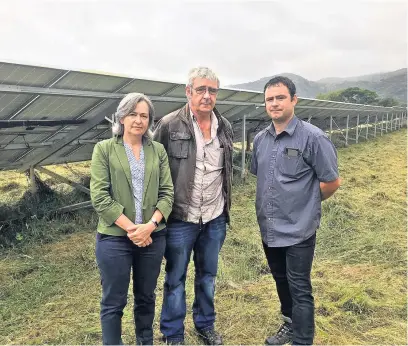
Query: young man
x=198, y=141
x=296, y=168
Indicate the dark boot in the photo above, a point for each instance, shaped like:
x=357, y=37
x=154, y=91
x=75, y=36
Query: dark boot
x=144, y=342
x=210, y=336
x=172, y=342
x=283, y=336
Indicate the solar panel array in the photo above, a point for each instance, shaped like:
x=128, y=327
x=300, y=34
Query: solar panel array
x=34, y=93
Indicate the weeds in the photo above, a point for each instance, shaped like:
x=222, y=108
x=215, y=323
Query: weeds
x=49, y=292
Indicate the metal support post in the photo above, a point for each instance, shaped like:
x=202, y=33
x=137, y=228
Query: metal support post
x=347, y=128
x=358, y=123
x=375, y=125
x=382, y=123
x=64, y=180
x=331, y=127
x=33, y=184
x=386, y=125
x=367, y=124
x=243, y=147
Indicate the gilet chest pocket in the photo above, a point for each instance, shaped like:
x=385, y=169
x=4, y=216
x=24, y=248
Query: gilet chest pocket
x=178, y=146
x=289, y=165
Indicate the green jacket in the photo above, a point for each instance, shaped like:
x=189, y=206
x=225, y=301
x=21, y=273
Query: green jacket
x=111, y=184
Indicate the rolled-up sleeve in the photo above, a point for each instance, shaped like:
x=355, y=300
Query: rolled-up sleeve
x=166, y=191
x=105, y=206
x=324, y=159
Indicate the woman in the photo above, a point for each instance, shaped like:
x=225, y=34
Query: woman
x=132, y=192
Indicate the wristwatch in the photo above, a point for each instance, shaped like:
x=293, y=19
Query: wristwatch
x=154, y=221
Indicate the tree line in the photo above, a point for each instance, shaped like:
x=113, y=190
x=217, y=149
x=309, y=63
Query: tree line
x=362, y=96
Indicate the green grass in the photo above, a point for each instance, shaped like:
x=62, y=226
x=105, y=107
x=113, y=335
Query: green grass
x=49, y=283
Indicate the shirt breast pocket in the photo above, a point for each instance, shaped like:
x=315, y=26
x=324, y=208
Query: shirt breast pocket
x=291, y=166
x=178, y=145
x=215, y=156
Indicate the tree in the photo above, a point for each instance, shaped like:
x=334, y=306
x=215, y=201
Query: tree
x=352, y=95
x=330, y=96
x=388, y=102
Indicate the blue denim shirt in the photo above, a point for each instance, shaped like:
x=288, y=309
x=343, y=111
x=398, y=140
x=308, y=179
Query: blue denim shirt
x=289, y=168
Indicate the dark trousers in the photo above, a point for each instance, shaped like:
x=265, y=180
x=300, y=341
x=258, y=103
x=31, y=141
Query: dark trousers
x=116, y=256
x=206, y=242
x=291, y=267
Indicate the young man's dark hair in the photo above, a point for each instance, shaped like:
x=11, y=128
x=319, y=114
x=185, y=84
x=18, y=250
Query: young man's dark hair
x=282, y=80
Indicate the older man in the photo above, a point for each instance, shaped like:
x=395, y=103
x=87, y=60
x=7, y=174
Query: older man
x=198, y=141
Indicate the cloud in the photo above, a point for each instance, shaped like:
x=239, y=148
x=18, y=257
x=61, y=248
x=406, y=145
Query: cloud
x=241, y=41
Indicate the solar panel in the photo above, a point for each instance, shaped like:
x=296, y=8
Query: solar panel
x=39, y=93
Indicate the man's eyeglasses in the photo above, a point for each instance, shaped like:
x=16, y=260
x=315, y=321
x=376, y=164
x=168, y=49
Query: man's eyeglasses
x=201, y=90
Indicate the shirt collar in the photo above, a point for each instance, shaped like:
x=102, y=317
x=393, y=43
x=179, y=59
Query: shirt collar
x=290, y=128
x=214, y=123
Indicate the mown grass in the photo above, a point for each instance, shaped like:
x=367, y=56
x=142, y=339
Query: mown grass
x=49, y=292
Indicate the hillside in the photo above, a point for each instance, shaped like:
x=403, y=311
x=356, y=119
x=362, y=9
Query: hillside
x=390, y=84
x=304, y=87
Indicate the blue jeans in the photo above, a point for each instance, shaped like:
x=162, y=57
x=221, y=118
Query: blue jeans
x=291, y=267
x=116, y=256
x=206, y=241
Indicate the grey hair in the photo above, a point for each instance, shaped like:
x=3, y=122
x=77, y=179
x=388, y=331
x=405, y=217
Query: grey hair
x=126, y=106
x=202, y=72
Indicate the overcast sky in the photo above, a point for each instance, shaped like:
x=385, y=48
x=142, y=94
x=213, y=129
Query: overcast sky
x=241, y=41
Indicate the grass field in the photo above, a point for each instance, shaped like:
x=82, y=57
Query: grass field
x=49, y=283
